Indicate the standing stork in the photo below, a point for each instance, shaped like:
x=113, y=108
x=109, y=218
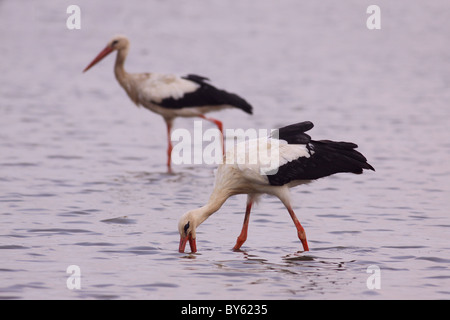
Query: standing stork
x=169, y=95
x=301, y=160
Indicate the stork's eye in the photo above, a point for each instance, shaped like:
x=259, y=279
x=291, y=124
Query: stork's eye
x=114, y=42
x=186, y=227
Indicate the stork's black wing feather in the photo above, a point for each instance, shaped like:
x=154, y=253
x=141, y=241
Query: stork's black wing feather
x=205, y=95
x=294, y=133
x=326, y=157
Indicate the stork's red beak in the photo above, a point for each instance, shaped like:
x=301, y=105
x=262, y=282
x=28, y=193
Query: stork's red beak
x=192, y=244
x=99, y=57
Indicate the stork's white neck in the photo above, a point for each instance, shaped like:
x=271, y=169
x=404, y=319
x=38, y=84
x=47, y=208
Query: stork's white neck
x=215, y=202
x=119, y=69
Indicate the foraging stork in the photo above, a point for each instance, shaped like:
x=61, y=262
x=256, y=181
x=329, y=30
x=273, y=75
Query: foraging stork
x=301, y=160
x=169, y=95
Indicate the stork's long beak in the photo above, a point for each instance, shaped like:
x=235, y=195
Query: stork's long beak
x=192, y=243
x=99, y=57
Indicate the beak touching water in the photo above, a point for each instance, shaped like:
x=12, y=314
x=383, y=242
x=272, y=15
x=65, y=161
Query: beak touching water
x=192, y=244
x=99, y=57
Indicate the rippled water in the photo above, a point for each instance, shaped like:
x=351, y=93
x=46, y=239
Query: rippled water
x=82, y=171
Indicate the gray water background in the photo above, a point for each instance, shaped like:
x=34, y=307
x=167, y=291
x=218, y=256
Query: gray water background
x=82, y=170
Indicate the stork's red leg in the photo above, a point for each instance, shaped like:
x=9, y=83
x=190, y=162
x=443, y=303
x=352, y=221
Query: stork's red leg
x=219, y=126
x=218, y=123
x=301, y=232
x=169, y=142
x=243, y=236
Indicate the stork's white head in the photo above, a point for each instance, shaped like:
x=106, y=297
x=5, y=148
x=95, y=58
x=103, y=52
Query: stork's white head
x=186, y=226
x=118, y=42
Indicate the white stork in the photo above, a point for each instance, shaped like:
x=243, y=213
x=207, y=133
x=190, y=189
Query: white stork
x=301, y=160
x=169, y=95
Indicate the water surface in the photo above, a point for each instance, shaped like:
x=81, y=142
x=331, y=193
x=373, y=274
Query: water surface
x=82, y=170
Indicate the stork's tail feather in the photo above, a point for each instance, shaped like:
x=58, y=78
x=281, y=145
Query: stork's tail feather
x=240, y=103
x=217, y=96
x=341, y=156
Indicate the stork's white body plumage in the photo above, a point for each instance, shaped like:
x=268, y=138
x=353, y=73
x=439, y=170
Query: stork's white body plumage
x=169, y=95
x=258, y=158
x=300, y=160
x=150, y=89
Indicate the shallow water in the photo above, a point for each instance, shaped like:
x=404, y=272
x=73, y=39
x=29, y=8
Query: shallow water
x=82, y=171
